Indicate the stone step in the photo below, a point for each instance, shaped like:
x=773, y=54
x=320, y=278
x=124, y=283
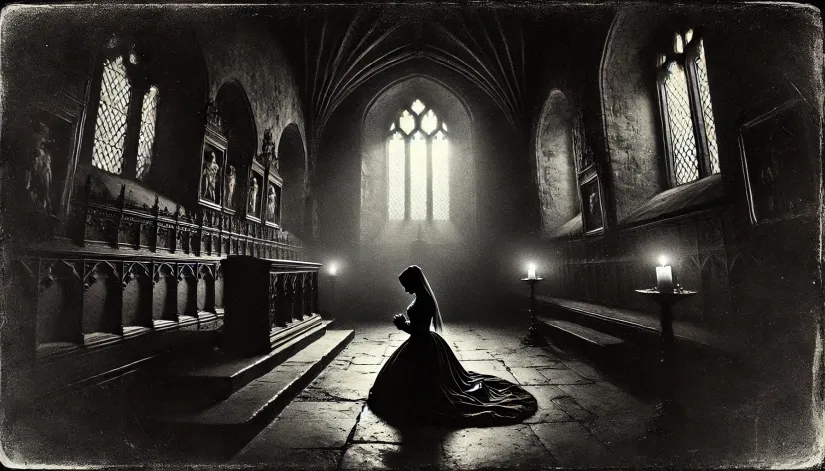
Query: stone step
x=591, y=336
x=249, y=409
x=215, y=378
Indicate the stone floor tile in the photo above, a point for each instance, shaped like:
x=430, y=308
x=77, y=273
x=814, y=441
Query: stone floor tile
x=558, y=376
x=489, y=367
x=496, y=447
x=309, y=425
x=367, y=359
x=529, y=376
x=583, y=369
x=515, y=360
x=314, y=459
x=605, y=399
x=573, y=446
x=573, y=408
x=472, y=355
x=548, y=411
x=372, y=428
x=623, y=435
x=392, y=456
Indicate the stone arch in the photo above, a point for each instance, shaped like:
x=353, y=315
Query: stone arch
x=374, y=189
x=293, y=169
x=555, y=163
x=242, y=135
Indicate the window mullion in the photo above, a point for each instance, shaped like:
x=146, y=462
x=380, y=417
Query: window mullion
x=130, y=142
x=668, y=139
x=696, y=113
x=407, y=180
x=429, y=178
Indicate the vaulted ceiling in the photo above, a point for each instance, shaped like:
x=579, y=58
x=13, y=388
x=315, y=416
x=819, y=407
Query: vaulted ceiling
x=343, y=48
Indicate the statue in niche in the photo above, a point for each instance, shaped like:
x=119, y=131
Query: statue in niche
x=272, y=204
x=230, y=186
x=210, y=176
x=253, y=197
x=268, y=151
x=39, y=176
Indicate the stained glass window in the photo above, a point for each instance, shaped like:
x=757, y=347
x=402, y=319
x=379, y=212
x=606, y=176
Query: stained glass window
x=687, y=111
x=421, y=147
x=147, y=132
x=110, y=127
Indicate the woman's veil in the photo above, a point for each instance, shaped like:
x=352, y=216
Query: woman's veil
x=437, y=323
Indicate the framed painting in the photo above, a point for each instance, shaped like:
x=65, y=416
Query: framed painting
x=212, y=184
x=272, y=203
x=779, y=150
x=255, y=191
x=591, y=202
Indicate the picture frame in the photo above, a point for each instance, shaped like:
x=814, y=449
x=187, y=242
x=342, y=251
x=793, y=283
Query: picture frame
x=592, y=204
x=52, y=143
x=211, y=182
x=255, y=191
x=778, y=185
x=272, y=203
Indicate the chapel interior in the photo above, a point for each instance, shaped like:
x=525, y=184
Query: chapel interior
x=205, y=210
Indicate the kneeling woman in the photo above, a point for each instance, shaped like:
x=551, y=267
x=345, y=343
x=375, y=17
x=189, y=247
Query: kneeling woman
x=424, y=381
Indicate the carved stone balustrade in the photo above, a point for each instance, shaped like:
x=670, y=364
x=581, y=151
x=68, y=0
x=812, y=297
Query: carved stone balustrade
x=264, y=296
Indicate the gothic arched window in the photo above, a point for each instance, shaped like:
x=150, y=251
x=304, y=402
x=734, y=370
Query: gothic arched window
x=120, y=116
x=687, y=114
x=418, y=166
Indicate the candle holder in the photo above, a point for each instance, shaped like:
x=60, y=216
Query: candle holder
x=667, y=411
x=533, y=337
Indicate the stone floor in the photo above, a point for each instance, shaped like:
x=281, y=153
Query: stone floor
x=584, y=420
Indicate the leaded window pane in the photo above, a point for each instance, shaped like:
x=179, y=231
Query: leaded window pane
x=441, y=177
x=429, y=122
x=147, y=132
x=707, y=109
x=418, y=177
x=683, y=142
x=407, y=122
x=397, y=194
x=110, y=126
x=417, y=107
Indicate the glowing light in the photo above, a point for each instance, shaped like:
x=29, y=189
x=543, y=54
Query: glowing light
x=531, y=271
x=662, y=260
x=333, y=269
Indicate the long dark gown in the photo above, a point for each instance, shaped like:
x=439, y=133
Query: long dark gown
x=423, y=381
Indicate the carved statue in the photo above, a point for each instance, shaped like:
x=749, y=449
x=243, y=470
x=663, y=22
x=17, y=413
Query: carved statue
x=268, y=151
x=230, y=186
x=210, y=176
x=39, y=176
x=271, y=205
x=253, y=197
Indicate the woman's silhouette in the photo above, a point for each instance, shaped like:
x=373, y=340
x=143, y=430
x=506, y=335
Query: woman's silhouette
x=424, y=381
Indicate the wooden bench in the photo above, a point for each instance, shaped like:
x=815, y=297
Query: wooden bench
x=620, y=323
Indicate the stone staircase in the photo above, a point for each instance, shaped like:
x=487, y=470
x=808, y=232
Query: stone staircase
x=208, y=407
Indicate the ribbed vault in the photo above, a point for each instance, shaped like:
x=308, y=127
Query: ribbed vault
x=346, y=47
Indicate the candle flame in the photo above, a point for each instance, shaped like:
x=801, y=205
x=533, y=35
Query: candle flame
x=662, y=260
x=333, y=269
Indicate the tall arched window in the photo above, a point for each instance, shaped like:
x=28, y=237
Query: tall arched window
x=687, y=114
x=112, y=114
x=120, y=116
x=418, y=166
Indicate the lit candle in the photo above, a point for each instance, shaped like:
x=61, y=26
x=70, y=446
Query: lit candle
x=664, y=277
x=531, y=272
x=333, y=269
